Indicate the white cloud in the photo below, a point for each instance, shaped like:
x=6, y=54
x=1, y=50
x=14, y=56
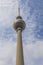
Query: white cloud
x=8, y=11
x=7, y=52
x=33, y=51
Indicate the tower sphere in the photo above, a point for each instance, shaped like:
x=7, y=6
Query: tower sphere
x=19, y=23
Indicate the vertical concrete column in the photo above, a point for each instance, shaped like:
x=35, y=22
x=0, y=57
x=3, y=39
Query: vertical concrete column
x=19, y=54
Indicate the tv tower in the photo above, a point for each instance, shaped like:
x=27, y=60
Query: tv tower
x=19, y=26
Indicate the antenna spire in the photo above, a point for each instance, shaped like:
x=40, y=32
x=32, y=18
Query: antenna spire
x=19, y=9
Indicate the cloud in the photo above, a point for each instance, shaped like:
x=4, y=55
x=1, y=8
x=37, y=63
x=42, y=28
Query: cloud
x=33, y=52
x=8, y=11
x=33, y=16
x=7, y=52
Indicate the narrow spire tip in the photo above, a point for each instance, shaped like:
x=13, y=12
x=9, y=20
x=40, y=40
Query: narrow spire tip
x=19, y=9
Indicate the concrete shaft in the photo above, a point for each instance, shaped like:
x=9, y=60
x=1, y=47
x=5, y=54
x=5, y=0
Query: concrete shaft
x=19, y=57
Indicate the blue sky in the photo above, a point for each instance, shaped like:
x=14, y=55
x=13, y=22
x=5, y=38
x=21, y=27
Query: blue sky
x=32, y=13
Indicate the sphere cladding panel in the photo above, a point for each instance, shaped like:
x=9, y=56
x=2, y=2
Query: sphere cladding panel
x=19, y=24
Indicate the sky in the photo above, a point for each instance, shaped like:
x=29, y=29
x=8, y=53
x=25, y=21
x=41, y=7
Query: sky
x=32, y=36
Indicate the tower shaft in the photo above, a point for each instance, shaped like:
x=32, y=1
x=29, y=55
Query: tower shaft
x=19, y=57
